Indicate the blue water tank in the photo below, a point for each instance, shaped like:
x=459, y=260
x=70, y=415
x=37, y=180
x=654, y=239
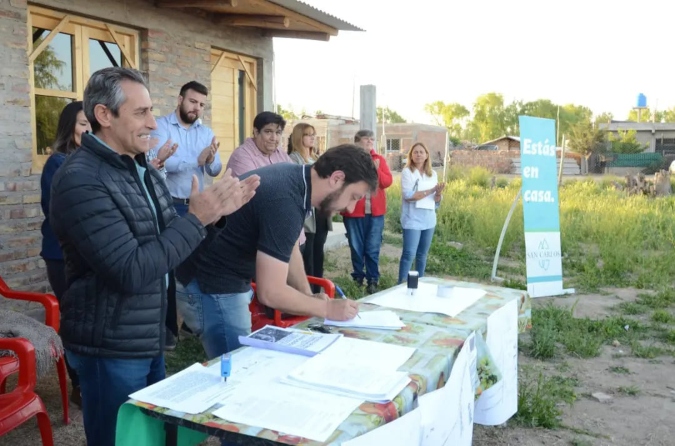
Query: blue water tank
x=641, y=101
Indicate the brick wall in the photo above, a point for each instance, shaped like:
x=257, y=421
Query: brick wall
x=175, y=48
x=20, y=213
x=497, y=161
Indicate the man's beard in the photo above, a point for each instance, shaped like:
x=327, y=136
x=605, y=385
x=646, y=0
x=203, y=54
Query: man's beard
x=325, y=208
x=186, y=118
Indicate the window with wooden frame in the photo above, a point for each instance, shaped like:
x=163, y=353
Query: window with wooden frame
x=233, y=98
x=63, y=51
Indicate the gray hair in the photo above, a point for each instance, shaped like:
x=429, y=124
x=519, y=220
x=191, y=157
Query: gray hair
x=363, y=134
x=105, y=88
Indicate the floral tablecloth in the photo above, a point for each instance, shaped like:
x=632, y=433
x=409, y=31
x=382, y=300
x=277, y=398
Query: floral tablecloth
x=436, y=337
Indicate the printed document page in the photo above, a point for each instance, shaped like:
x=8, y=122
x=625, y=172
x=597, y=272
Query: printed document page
x=362, y=353
x=301, y=412
x=426, y=299
x=192, y=390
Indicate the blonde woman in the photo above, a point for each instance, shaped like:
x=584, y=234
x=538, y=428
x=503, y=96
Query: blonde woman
x=421, y=193
x=301, y=150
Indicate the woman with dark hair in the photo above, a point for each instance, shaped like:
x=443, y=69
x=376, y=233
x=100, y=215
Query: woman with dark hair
x=72, y=124
x=302, y=150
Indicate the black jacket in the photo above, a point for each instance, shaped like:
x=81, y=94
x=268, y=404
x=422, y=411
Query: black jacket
x=117, y=254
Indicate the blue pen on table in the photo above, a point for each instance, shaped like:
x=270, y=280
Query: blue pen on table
x=342, y=296
x=225, y=367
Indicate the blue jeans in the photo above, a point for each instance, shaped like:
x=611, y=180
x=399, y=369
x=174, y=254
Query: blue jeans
x=365, y=239
x=106, y=384
x=416, y=243
x=218, y=319
x=181, y=209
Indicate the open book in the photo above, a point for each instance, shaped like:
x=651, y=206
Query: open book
x=299, y=342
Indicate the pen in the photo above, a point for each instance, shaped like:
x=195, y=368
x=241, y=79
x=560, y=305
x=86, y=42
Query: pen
x=342, y=296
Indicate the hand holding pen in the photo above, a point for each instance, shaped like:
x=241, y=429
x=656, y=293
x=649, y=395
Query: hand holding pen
x=342, y=296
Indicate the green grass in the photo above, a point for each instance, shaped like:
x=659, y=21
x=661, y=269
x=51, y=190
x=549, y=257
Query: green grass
x=608, y=238
x=619, y=370
x=555, y=332
x=188, y=351
x=540, y=399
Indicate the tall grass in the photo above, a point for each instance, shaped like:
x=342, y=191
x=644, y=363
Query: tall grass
x=608, y=238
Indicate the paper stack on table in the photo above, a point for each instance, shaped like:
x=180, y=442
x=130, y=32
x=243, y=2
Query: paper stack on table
x=357, y=368
x=383, y=320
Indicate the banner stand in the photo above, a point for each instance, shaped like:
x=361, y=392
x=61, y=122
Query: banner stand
x=501, y=238
x=541, y=211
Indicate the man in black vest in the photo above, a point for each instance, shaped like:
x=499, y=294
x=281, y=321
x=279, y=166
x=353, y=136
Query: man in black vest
x=121, y=240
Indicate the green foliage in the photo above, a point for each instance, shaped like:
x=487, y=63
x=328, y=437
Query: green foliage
x=288, y=115
x=540, y=399
x=388, y=116
x=453, y=116
x=586, y=139
x=47, y=108
x=490, y=117
x=626, y=142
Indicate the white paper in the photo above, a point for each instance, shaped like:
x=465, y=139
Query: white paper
x=362, y=353
x=426, y=300
x=301, y=412
x=447, y=413
x=192, y=390
x=500, y=402
x=385, y=320
x=403, y=431
x=427, y=202
x=366, y=383
x=356, y=367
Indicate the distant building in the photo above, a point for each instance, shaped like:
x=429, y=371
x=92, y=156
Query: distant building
x=659, y=137
x=502, y=143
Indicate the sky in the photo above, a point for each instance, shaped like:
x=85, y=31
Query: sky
x=597, y=53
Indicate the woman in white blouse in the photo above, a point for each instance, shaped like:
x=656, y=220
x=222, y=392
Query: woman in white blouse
x=421, y=193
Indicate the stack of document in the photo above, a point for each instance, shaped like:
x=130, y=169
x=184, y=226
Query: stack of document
x=355, y=368
x=299, y=342
x=383, y=320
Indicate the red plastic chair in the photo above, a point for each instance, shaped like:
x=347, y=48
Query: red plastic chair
x=9, y=365
x=259, y=318
x=22, y=404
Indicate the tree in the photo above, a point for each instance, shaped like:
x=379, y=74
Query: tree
x=288, y=115
x=626, y=142
x=586, y=139
x=452, y=116
x=669, y=115
x=645, y=116
x=603, y=118
x=572, y=115
x=47, y=108
x=488, y=117
x=511, y=114
x=388, y=116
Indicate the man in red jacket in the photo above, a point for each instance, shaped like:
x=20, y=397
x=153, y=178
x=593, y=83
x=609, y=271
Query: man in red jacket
x=366, y=223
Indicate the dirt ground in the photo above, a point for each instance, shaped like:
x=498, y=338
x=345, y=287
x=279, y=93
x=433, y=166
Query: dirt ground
x=645, y=418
